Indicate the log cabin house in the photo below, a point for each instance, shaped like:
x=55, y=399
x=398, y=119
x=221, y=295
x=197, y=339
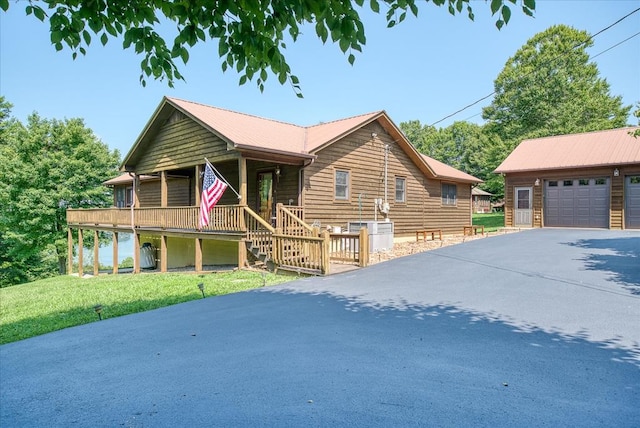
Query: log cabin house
x=295, y=185
x=589, y=180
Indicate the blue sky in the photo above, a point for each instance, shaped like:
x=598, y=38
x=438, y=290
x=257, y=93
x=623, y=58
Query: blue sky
x=426, y=68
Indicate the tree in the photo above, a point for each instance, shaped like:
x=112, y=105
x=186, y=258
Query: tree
x=462, y=145
x=47, y=166
x=549, y=87
x=251, y=34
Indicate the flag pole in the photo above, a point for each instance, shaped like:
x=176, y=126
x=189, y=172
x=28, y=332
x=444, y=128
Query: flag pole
x=222, y=178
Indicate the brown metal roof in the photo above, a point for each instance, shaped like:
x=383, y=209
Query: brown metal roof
x=479, y=192
x=445, y=171
x=252, y=133
x=125, y=178
x=590, y=149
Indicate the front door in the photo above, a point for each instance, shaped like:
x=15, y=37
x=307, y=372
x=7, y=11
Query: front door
x=266, y=208
x=522, y=209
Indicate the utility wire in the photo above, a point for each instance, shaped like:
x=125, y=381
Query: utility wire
x=551, y=60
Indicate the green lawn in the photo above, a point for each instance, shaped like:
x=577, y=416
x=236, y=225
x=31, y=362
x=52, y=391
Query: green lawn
x=40, y=307
x=492, y=221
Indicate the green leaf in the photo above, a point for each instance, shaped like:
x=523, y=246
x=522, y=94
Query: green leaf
x=4, y=5
x=344, y=44
x=499, y=23
x=506, y=14
x=243, y=80
x=86, y=36
x=184, y=54
x=103, y=39
x=391, y=23
x=352, y=59
x=375, y=6
x=56, y=37
x=530, y=4
x=495, y=6
x=38, y=12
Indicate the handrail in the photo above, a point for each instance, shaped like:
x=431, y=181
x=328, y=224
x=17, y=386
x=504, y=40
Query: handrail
x=286, y=222
x=259, y=219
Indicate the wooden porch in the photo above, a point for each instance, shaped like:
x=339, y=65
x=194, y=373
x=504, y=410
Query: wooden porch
x=285, y=242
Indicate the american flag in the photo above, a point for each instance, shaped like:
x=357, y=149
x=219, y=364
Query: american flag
x=212, y=190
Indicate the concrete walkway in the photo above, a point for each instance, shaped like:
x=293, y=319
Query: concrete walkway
x=538, y=328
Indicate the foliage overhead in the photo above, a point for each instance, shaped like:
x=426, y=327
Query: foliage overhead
x=251, y=34
x=549, y=87
x=47, y=166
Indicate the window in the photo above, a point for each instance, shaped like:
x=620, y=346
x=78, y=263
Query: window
x=342, y=185
x=601, y=181
x=401, y=189
x=124, y=196
x=449, y=192
x=553, y=184
x=634, y=179
x=583, y=182
x=567, y=183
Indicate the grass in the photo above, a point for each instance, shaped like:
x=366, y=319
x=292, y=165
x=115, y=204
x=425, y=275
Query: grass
x=492, y=221
x=52, y=304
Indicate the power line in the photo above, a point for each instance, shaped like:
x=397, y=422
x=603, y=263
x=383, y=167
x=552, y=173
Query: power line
x=553, y=59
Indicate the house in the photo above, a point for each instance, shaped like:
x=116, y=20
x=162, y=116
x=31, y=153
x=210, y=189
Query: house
x=481, y=200
x=579, y=180
x=285, y=180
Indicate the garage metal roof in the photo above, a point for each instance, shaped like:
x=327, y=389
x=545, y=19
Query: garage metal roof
x=590, y=149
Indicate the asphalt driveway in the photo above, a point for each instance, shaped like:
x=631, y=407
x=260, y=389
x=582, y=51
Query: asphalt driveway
x=535, y=328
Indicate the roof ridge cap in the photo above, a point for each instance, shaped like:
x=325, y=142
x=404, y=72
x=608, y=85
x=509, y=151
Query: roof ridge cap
x=345, y=118
x=236, y=112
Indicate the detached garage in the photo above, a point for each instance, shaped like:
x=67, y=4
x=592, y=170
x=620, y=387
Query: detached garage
x=589, y=180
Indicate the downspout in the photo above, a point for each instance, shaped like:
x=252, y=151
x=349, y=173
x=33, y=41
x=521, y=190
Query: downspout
x=133, y=199
x=301, y=181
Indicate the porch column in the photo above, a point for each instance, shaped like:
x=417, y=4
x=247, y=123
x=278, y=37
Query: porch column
x=96, y=253
x=115, y=253
x=69, y=251
x=163, y=189
x=242, y=180
x=163, y=253
x=198, y=261
x=136, y=189
x=80, y=255
x=136, y=252
x=198, y=184
x=242, y=254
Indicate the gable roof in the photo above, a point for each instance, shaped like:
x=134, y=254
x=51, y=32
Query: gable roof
x=444, y=171
x=476, y=191
x=589, y=149
x=252, y=133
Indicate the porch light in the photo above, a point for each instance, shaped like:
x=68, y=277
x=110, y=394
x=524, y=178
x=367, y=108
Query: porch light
x=98, y=309
x=616, y=172
x=537, y=183
x=277, y=170
x=201, y=287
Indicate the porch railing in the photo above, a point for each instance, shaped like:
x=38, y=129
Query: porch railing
x=305, y=253
x=259, y=231
x=227, y=218
x=349, y=247
x=289, y=221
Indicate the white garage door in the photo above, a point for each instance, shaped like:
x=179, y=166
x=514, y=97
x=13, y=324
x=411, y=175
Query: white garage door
x=577, y=202
x=632, y=202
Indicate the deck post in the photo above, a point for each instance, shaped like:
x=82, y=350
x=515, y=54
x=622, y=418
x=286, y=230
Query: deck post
x=163, y=197
x=96, y=253
x=198, y=184
x=80, y=255
x=136, y=252
x=163, y=253
x=198, y=261
x=242, y=253
x=115, y=253
x=363, y=251
x=242, y=179
x=325, y=259
x=69, y=251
